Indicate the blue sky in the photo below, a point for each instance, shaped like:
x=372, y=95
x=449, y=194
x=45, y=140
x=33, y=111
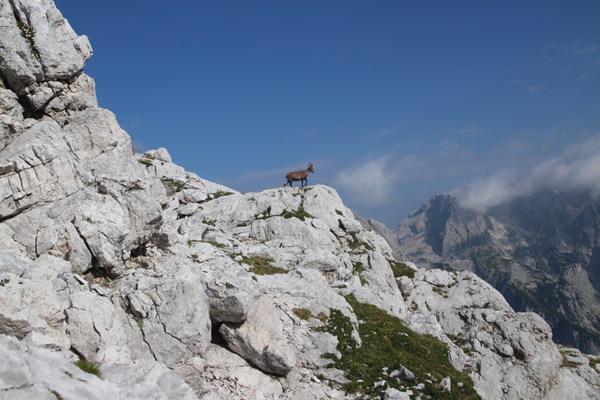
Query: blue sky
x=393, y=101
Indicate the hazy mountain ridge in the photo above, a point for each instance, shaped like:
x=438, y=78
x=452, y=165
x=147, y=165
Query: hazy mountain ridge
x=542, y=252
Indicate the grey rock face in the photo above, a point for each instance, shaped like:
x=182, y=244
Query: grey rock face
x=150, y=381
x=33, y=373
x=38, y=44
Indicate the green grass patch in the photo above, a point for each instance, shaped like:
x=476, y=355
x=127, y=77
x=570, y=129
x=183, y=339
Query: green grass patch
x=388, y=343
x=262, y=266
x=219, y=245
x=145, y=162
x=358, y=267
x=356, y=245
x=4, y=282
x=305, y=314
x=400, y=269
x=172, y=186
x=89, y=366
x=264, y=214
x=299, y=213
x=28, y=33
x=566, y=362
x=218, y=194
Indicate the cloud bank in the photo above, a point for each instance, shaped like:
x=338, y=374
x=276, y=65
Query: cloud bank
x=577, y=168
x=515, y=167
x=370, y=183
x=375, y=181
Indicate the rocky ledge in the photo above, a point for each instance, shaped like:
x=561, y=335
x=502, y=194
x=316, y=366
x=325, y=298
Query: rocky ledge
x=171, y=286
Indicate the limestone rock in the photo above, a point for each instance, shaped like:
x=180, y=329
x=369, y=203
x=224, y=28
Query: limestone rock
x=38, y=43
x=222, y=364
x=34, y=373
x=260, y=340
x=95, y=330
x=394, y=394
x=150, y=381
x=161, y=154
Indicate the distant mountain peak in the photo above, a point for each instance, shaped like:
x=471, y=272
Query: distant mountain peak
x=541, y=251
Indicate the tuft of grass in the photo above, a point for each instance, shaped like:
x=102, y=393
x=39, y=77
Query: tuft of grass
x=145, y=162
x=4, y=282
x=358, y=267
x=218, y=194
x=89, y=366
x=264, y=214
x=28, y=33
x=305, y=314
x=400, y=269
x=387, y=342
x=219, y=245
x=172, y=186
x=322, y=317
x=299, y=213
x=356, y=245
x=566, y=362
x=262, y=266
x=339, y=212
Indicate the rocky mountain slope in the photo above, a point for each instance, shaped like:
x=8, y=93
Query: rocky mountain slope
x=541, y=252
x=179, y=288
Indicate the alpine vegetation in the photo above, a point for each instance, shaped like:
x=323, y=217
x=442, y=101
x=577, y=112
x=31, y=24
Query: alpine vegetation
x=181, y=288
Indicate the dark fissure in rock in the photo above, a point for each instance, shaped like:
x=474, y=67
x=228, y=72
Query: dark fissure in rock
x=216, y=337
x=139, y=251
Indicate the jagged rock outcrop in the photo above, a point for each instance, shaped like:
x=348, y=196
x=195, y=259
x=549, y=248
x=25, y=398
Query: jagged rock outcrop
x=540, y=251
x=182, y=288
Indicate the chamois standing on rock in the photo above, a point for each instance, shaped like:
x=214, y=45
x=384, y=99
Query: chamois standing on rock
x=299, y=176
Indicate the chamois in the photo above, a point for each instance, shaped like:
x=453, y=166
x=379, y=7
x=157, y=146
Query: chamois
x=299, y=176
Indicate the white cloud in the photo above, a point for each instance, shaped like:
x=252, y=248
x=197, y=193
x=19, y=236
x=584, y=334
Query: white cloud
x=385, y=132
x=577, y=168
x=375, y=181
x=533, y=89
x=471, y=130
x=370, y=183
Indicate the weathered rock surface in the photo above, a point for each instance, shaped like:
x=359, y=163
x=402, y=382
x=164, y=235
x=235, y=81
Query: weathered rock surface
x=183, y=288
x=150, y=381
x=260, y=339
x=28, y=372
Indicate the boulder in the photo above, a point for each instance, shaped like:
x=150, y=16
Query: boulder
x=260, y=340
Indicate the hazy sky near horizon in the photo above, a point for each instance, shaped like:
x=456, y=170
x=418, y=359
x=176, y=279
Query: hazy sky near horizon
x=393, y=101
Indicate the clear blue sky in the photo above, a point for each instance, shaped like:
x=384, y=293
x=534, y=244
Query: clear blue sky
x=393, y=101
